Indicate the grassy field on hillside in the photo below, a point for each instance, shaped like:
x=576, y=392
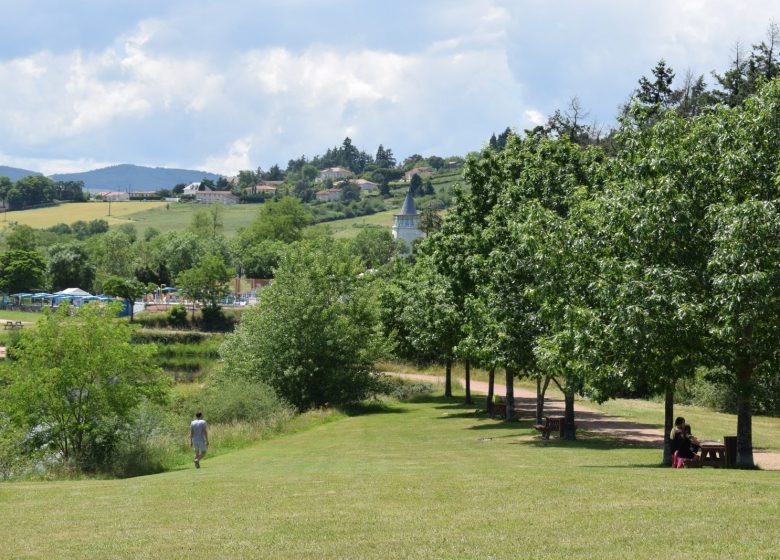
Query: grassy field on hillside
x=69, y=213
x=177, y=217
x=349, y=228
x=423, y=480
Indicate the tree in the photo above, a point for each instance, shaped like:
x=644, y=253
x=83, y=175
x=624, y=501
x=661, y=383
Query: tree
x=207, y=282
x=69, y=267
x=430, y=221
x=21, y=271
x=314, y=336
x=746, y=301
x=260, y=260
x=656, y=92
x=76, y=380
x=128, y=289
x=415, y=185
x=281, y=220
x=374, y=246
x=5, y=187
x=21, y=238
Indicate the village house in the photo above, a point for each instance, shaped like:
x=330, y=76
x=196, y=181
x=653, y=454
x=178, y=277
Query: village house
x=366, y=186
x=209, y=197
x=114, y=196
x=193, y=188
x=421, y=171
x=142, y=195
x=329, y=195
x=334, y=174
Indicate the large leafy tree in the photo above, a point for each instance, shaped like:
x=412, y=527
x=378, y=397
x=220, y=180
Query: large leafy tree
x=315, y=335
x=127, y=289
x=69, y=267
x=76, y=379
x=21, y=271
x=745, y=268
x=207, y=282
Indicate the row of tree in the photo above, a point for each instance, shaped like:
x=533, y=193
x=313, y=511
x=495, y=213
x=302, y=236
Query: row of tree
x=612, y=273
x=35, y=190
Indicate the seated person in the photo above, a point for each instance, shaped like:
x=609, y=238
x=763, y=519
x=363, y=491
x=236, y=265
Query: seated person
x=678, y=442
x=689, y=445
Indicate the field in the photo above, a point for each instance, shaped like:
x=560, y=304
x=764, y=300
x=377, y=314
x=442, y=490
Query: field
x=177, y=216
x=69, y=213
x=429, y=479
x=350, y=227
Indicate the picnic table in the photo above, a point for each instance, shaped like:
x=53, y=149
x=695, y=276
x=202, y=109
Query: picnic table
x=13, y=325
x=551, y=424
x=713, y=454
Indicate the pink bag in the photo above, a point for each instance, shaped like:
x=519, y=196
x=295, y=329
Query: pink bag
x=677, y=462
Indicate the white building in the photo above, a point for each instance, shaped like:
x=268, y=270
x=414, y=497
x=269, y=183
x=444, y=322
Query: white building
x=366, y=186
x=208, y=197
x=406, y=225
x=114, y=196
x=329, y=195
x=334, y=173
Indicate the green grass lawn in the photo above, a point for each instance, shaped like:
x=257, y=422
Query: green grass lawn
x=24, y=316
x=706, y=423
x=423, y=480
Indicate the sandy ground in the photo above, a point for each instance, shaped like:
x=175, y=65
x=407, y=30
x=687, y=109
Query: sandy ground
x=587, y=418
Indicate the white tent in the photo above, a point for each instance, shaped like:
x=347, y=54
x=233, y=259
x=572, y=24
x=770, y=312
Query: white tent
x=78, y=292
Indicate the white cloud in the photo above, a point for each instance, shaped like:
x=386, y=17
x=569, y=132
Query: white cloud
x=236, y=159
x=534, y=117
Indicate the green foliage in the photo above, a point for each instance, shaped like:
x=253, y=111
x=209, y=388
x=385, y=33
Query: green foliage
x=70, y=267
x=206, y=282
x=75, y=380
x=21, y=271
x=281, y=220
x=130, y=290
x=314, y=336
x=375, y=247
x=177, y=316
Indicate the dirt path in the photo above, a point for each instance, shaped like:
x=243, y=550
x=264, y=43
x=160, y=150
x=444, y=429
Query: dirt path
x=587, y=418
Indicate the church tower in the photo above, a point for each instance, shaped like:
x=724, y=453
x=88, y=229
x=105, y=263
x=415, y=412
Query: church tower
x=406, y=225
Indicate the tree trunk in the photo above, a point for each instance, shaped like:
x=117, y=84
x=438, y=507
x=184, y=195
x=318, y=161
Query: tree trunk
x=668, y=423
x=448, y=378
x=569, y=429
x=491, y=384
x=510, y=394
x=745, y=417
x=541, y=390
x=467, y=366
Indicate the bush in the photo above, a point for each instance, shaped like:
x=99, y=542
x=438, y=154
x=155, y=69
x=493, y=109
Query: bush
x=401, y=389
x=315, y=336
x=177, y=316
x=213, y=319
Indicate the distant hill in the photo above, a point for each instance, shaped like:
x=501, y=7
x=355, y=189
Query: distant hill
x=14, y=173
x=134, y=177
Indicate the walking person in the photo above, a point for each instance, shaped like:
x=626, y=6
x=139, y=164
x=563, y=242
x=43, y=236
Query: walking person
x=199, y=437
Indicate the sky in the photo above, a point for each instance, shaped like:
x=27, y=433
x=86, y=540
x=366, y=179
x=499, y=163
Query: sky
x=239, y=84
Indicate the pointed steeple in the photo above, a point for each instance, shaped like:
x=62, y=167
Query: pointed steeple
x=408, y=209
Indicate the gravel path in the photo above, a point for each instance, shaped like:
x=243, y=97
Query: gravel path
x=587, y=418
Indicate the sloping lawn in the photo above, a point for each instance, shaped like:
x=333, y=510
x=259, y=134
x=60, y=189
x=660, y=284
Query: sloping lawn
x=423, y=480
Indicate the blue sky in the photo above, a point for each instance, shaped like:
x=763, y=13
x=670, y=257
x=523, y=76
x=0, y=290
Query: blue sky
x=237, y=84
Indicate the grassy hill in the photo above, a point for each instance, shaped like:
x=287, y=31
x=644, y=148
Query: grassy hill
x=428, y=479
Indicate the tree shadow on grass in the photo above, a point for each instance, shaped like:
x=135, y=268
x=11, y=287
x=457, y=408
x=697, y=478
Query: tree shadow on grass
x=372, y=407
x=583, y=442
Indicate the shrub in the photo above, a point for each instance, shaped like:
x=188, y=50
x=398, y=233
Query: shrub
x=315, y=336
x=177, y=316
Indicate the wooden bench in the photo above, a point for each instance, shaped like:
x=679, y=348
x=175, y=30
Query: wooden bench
x=551, y=424
x=13, y=325
x=498, y=407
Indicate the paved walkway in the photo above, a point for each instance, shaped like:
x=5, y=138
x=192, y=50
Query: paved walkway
x=587, y=418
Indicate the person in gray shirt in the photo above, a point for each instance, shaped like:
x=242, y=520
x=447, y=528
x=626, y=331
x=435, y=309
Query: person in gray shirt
x=199, y=437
